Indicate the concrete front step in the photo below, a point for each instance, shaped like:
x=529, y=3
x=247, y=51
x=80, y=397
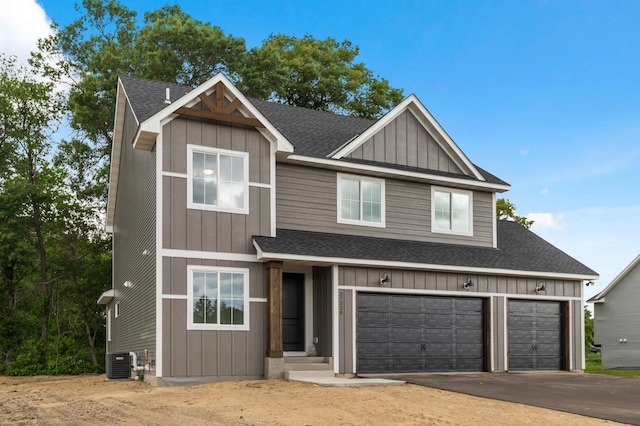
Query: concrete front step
x=307, y=366
x=306, y=374
x=307, y=360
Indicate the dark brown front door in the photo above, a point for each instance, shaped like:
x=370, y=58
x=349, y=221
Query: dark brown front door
x=293, y=312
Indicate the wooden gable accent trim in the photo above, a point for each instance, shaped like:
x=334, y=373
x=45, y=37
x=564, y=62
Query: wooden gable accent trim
x=217, y=111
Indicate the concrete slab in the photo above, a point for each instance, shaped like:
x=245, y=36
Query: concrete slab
x=593, y=395
x=344, y=382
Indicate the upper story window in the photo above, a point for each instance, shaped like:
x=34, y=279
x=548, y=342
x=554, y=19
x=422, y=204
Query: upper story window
x=217, y=179
x=361, y=200
x=451, y=211
x=218, y=298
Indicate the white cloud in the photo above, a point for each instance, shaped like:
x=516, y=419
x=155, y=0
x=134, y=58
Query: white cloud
x=22, y=23
x=546, y=221
x=545, y=191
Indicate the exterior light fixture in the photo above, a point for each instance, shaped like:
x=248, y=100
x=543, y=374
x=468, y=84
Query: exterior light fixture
x=128, y=284
x=541, y=287
x=468, y=284
x=588, y=283
x=385, y=280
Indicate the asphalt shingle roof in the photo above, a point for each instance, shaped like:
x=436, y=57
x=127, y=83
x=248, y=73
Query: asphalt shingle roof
x=313, y=133
x=147, y=96
x=518, y=249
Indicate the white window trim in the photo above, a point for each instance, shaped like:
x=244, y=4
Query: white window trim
x=208, y=150
x=117, y=310
x=108, y=324
x=383, y=206
x=433, y=210
x=197, y=326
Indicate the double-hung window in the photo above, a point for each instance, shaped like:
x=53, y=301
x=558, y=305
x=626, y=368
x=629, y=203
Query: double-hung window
x=217, y=179
x=218, y=298
x=361, y=200
x=451, y=211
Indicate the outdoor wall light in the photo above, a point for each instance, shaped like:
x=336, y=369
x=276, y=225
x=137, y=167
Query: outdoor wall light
x=541, y=287
x=385, y=280
x=468, y=284
x=588, y=283
x=128, y=284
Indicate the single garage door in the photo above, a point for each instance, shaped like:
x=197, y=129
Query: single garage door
x=536, y=335
x=408, y=334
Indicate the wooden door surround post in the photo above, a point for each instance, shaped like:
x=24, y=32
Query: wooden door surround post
x=274, y=309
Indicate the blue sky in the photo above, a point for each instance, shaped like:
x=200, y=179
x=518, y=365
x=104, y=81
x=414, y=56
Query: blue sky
x=544, y=94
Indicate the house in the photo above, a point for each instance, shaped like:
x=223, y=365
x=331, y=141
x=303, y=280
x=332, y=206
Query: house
x=249, y=234
x=616, y=319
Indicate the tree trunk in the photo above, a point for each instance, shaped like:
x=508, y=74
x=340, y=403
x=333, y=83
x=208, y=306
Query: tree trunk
x=92, y=345
x=44, y=285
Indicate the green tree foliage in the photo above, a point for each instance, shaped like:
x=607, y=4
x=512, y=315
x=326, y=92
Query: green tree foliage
x=506, y=210
x=317, y=74
x=588, y=328
x=53, y=262
x=170, y=45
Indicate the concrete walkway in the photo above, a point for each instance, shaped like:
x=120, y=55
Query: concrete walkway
x=345, y=382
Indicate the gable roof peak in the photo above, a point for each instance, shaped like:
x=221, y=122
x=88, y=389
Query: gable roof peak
x=430, y=124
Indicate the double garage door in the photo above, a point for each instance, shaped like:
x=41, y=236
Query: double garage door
x=409, y=334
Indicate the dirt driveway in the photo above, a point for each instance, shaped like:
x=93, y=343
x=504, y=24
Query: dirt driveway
x=83, y=400
x=605, y=397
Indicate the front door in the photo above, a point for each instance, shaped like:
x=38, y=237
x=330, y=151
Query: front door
x=293, y=312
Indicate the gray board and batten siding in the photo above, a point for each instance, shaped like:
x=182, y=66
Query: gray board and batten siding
x=406, y=142
x=306, y=199
x=497, y=290
x=191, y=356
x=133, y=233
x=192, y=229
x=617, y=319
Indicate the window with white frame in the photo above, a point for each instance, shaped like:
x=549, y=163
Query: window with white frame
x=218, y=298
x=361, y=200
x=451, y=211
x=117, y=313
x=217, y=179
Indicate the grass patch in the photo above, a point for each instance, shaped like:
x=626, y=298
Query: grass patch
x=594, y=366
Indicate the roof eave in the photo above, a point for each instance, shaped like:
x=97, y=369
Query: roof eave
x=343, y=165
x=151, y=127
x=616, y=280
x=267, y=256
x=116, y=146
x=106, y=297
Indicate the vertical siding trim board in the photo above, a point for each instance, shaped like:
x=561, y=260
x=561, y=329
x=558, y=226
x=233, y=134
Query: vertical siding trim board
x=272, y=191
x=490, y=308
x=505, y=339
x=354, y=335
x=495, y=224
x=335, y=276
x=159, y=277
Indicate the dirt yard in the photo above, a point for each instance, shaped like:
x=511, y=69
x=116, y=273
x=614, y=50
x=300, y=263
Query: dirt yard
x=83, y=400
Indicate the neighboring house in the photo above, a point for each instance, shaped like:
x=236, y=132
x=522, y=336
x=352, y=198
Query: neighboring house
x=617, y=319
x=247, y=234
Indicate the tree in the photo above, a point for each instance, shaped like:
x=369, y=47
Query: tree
x=317, y=74
x=29, y=114
x=588, y=328
x=506, y=210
